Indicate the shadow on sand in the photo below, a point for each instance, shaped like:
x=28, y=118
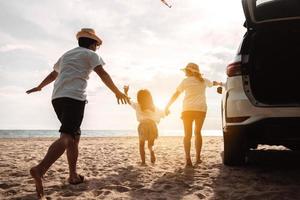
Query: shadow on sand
x=170, y=185
x=121, y=181
x=133, y=181
x=268, y=174
x=142, y=183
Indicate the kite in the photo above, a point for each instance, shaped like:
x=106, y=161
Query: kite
x=164, y=2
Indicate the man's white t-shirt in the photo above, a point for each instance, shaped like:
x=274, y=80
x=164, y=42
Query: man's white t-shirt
x=194, y=99
x=74, y=68
x=147, y=114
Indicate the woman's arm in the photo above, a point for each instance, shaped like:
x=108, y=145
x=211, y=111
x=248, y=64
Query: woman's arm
x=172, y=100
x=215, y=83
x=49, y=79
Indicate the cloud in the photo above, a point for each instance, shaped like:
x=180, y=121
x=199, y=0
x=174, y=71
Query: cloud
x=12, y=47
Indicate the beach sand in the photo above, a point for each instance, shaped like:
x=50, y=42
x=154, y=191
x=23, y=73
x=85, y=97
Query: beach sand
x=112, y=171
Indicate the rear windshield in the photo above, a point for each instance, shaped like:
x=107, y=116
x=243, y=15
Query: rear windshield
x=276, y=9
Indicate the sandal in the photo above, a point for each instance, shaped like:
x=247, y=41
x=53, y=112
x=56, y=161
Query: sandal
x=77, y=181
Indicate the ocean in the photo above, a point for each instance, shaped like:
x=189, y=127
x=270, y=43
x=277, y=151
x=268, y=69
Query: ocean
x=95, y=133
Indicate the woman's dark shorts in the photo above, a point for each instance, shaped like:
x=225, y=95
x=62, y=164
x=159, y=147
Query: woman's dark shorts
x=193, y=115
x=70, y=113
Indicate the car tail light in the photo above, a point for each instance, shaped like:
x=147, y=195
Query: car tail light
x=234, y=69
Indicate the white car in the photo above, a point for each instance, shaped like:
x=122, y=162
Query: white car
x=261, y=100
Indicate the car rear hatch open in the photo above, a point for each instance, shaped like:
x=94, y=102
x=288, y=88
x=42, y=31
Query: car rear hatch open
x=271, y=62
x=260, y=13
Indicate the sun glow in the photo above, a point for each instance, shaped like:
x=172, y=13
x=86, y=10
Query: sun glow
x=160, y=102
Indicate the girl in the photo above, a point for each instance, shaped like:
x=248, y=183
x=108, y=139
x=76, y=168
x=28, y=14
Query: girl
x=148, y=116
x=194, y=107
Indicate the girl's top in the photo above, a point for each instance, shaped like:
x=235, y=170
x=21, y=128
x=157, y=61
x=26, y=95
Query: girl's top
x=155, y=115
x=194, y=89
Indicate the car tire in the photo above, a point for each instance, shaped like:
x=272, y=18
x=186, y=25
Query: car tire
x=234, y=148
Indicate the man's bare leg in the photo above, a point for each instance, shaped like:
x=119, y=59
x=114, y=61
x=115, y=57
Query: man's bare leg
x=72, y=156
x=56, y=149
x=142, y=151
x=152, y=154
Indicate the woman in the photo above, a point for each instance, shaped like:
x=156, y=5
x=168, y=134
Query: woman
x=194, y=107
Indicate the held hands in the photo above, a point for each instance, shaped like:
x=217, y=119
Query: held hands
x=215, y=83
x=35, y=89
x=126, y=88
x=124, y=99
x=167, y=111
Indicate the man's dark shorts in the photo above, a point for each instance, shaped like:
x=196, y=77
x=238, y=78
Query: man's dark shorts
x=70, y=113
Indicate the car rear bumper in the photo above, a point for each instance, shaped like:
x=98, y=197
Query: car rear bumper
x=273, y=131
x=237, y=105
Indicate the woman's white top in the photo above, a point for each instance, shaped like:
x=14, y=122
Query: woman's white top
x=194, y=99
x=147, y=114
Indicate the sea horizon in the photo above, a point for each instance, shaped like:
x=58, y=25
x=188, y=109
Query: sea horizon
x=29, y=133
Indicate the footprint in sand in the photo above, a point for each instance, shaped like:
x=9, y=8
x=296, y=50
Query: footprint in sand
x=97, y=192
x=119, y=188
x=28, y=159
x=106, y=192
x=60, y=170
x=101, y=192
x=198, y=187
x=89, y=158
x=6, y=186
x=50, y=172
x=167, y=187
x=145, y=190
x=204, y=175
x=95, y=173
x=10, y=192
x=136, y=186
x=67, y=194
x=31, y=181
x=201, y=196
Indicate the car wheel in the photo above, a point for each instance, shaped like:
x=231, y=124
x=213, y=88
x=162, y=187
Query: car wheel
x=234, y=148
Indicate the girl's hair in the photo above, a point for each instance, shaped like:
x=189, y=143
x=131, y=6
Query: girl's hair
x=198, y=76
x=195, y=74
x=145, y=100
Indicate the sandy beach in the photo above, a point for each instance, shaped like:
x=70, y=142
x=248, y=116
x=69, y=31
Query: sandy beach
x=112, y=171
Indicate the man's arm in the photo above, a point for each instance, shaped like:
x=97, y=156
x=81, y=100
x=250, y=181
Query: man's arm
x=49, y=79
x=105, y=77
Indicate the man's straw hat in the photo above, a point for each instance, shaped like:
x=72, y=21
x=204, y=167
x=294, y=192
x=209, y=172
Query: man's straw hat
x=192, y=67
x=89, y=33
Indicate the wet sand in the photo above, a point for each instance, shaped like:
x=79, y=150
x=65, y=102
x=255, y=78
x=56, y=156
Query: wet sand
x=112, y=171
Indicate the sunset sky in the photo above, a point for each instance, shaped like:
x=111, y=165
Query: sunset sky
x=145, y=44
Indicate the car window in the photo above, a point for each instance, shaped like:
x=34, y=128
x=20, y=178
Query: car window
x=276, y=9
x=258, y=2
